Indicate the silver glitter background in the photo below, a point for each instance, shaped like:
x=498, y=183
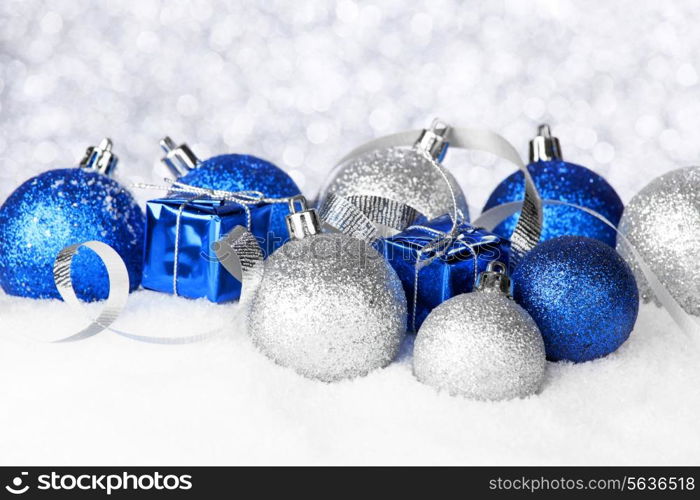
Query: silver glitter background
x=330, y=307
x=480, y=345
x=302, y=83
x=663, y=223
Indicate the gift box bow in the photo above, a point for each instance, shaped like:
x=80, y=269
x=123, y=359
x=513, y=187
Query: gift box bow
x=446, y=239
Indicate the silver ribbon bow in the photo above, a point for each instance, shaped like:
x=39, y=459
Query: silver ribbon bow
x=437, y=248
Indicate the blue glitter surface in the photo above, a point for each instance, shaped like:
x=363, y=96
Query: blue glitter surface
x=234, y=172
x=581, y=294
x=562, y=181
x=60, y=208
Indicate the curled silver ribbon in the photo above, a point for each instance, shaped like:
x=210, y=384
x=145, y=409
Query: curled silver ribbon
x=116, y=301
x=529, y=226
x=494, y=216
x=240, y=254
x=360, y=215
x=118, y=286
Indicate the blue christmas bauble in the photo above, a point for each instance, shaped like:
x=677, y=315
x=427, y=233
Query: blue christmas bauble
x=563, y=181
x=581, y=294
x=60, y=208
x=234, y=172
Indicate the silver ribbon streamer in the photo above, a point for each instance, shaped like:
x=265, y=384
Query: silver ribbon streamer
x=118, y=286
x=528, y=229
x=240, y=254
x=119, y=276
x=494, y=216
x=360, y=215
x=113, y=307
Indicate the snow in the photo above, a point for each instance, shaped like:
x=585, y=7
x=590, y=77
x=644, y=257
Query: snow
x=111, y=400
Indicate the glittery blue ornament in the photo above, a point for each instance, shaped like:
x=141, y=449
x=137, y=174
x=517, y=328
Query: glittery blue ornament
x=559, y=180
x=581, y=294
x=234, y=172
x=64, y=207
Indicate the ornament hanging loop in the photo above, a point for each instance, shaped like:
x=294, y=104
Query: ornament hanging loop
x=494, y=278
x=100, y=158
x=545, y=147
x=302, y=221
x=178, y=159
x=433, y=140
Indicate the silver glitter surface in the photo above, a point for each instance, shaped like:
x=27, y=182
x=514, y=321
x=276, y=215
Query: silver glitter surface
x=402, y=175
x=329, y=307
x=663, y=223
x=480, y=345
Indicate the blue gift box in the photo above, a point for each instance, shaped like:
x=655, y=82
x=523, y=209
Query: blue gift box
x=448, y=266
x=202, y=222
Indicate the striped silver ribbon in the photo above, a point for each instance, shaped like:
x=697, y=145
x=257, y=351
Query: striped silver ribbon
x=529, y=226
x=360, y=215
x=494, y=216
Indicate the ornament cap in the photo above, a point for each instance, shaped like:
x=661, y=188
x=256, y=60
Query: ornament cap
x=433, y=140
x=544, y=147
x=100, y=158
x=178, y=159
x=494, y=278
x=302, y=221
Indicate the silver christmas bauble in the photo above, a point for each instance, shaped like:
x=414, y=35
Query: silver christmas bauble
x=403, y=175
x=662, y=221
x=328, y=306
x=480, y=345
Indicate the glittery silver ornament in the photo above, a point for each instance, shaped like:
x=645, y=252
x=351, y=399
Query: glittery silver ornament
x=328, y=305
x=404, y=175
x=662, y=221
x=481, y=345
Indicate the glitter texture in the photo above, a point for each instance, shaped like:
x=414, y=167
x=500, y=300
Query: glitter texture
x=60, y=208
x=562, y=181
x=234, y=172
x=400, y=174
x=663, y=223
x=330, y=307
x=480, y=345
x=581, y=294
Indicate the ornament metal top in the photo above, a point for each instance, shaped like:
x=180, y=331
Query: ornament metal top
x=234, y=173
x=65, y=207
x=559, y=180
x=227, y=172
x=481, y=345
x=403, y=174
x=327, y=305
x=100, y=158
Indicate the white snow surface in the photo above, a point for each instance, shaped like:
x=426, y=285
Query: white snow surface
x=110, y=400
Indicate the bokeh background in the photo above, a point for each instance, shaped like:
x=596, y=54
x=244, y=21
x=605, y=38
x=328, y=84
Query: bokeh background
x=302, y=83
